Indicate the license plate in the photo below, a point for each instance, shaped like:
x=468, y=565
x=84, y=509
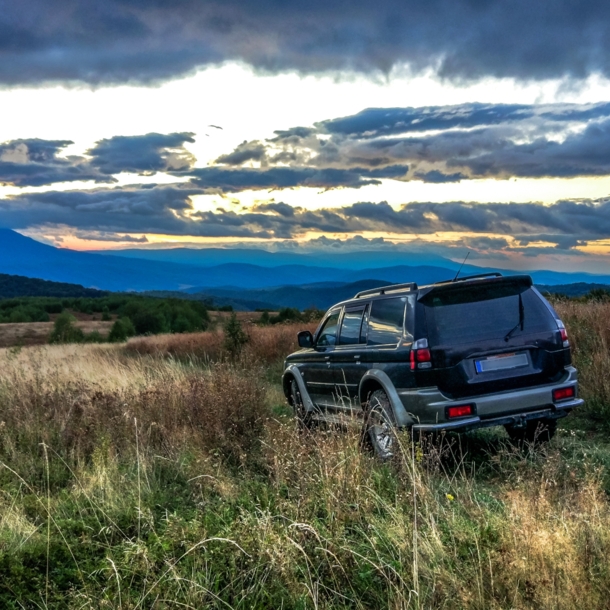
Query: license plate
x=501, y=362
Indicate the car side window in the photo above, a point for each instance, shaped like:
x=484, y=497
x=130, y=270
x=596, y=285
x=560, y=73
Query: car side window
x=386, y=321
x=351, y=327
x=328, y=332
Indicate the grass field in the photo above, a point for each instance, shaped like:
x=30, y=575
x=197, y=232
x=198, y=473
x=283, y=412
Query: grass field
x=160, y=474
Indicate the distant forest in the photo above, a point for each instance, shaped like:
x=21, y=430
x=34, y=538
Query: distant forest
x=19, y=286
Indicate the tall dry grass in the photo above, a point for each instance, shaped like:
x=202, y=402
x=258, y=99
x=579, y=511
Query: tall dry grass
x=588, y=326
x=266, y=344
x=147, y=479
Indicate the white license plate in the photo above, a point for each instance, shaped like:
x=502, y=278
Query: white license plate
x=501, y=362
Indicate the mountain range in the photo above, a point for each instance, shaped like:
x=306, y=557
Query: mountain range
x=228, y=272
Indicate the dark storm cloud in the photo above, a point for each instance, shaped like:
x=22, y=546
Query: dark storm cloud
x=441, y=144
x=132, y=40
x=146, y=154
x=35, y=162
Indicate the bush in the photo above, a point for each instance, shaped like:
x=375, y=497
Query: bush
x=148, y=322
x=94, y=337
x=235, y=337
x=121, y=330
x=65, y=331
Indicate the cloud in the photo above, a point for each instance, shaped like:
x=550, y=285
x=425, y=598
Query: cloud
x=439, y=144
x=132, y=40
x=169, y=209
x=135, y=209
x=35, y=162
x=145, y=155
x=233, y=180
x=113, y=237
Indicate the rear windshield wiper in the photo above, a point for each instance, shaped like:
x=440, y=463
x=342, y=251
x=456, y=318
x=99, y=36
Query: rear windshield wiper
x=519, y=324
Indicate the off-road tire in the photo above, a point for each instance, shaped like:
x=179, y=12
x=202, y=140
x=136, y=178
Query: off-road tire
x=302, y=416
x=535, y=432
x=379, y=431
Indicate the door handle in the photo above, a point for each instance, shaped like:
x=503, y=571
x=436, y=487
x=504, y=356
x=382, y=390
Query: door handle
x=326, y=357
x=357, y=357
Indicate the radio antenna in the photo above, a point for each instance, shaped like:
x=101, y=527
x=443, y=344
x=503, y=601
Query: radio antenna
x=458, y=271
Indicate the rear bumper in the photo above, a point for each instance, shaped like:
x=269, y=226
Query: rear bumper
x=428, y=406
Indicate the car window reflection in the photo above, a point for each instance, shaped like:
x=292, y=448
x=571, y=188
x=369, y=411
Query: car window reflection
x=328, y=334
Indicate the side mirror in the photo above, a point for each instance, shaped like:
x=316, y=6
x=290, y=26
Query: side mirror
x=305, y=339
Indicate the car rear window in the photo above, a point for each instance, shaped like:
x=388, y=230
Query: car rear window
x=484, y=312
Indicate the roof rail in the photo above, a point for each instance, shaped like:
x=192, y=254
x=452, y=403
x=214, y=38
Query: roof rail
x=384, y=289
x=478, y=276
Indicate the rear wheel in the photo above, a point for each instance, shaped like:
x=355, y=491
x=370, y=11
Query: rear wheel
x=302, y=416
x=379, y=432
x=535, y=431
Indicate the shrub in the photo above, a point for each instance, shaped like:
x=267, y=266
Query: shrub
x=65, y=331
x=121, y=330
x=19, y=316
x=94, y=337
x=148, y=322
x=235, y=337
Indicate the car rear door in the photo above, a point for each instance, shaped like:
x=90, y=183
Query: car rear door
x=494, y=336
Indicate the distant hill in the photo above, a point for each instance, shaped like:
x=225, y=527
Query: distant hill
x=325, y=294
x=12, y=286
x=20, y=255
x=354, y=260
x=320, y=295
x=572, y=290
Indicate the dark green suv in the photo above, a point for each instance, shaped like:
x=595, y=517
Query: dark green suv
x=485, y=350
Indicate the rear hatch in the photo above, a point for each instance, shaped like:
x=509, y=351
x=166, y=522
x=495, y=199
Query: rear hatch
x=490, y=335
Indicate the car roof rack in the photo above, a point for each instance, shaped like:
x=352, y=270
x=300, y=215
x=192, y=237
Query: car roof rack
x=386, y=289
x=466, y=278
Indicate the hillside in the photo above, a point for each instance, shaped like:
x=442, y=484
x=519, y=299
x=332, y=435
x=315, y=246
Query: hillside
x=12, y=286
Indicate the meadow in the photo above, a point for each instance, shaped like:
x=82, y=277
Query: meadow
x=167, y=472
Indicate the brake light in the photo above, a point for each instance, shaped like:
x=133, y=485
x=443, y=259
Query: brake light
x=420, y=356
x=564, y=333
x=459, y=411
x=564, y=393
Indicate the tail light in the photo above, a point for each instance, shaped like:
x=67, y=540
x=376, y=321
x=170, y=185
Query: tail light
x=564, y=393
x=564, y=334
x=420, y=355
x=459, y=411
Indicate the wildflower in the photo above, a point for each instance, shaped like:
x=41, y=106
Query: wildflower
x=449, y=497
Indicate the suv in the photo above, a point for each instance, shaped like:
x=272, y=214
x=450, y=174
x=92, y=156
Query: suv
x=484, y=350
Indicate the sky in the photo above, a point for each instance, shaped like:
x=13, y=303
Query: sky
x=446, y=126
